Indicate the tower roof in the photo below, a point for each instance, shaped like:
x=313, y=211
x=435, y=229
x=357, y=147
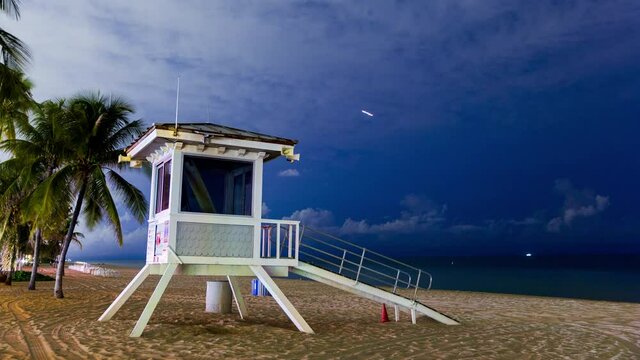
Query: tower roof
x=207, y=134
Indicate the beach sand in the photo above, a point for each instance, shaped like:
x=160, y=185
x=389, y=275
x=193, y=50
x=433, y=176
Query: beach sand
x=34, y=324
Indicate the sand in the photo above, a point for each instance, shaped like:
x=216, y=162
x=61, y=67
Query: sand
x=494, y=326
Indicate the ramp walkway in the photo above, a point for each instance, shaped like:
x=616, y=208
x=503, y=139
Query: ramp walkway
x=335, y=262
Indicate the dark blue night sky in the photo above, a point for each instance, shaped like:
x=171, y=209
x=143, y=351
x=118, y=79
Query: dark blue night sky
x=499, y=127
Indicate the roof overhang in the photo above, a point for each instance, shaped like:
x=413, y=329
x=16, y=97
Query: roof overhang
x=157, y=137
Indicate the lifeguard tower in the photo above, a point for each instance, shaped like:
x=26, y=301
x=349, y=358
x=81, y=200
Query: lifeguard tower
x=205, y=218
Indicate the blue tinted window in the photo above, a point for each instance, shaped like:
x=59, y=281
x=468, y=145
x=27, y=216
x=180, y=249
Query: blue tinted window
x=163, y=184
x=216, y=186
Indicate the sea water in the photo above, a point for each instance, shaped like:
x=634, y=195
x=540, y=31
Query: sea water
x=595, y=277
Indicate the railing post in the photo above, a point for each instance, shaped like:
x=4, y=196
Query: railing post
x=344, y=254
x=298, y=239
x=269, y=241
x=360, y=266
x=290, y=241
x=395, y=285
x=415, y=293
x=277, y=241
x=263, y=236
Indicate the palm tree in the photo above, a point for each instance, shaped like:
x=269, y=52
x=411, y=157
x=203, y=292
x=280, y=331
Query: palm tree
x=13, y=190
x=15, y=104
x=43, y=146
x=100, y=129
x=15, y=54
x=53, y=237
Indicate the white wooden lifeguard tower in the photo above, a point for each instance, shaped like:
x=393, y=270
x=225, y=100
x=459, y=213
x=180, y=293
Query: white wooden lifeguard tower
x=205, y=218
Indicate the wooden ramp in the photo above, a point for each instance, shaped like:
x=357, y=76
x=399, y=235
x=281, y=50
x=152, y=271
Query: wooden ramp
x=370, y=292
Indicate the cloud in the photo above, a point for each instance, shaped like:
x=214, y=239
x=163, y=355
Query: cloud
x=100, y=242
x=578, y=203
x=296, y=68
x=420, y=214
x=289, y=173
x=318, y=218
x=251, y=63
x=405, y=224
x=265, y=209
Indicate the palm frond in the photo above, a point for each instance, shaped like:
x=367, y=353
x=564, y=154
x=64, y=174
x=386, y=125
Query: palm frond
x=108, y=206
x=15, y=53
x=132, y=197
x=52, y=196
x=11, y=8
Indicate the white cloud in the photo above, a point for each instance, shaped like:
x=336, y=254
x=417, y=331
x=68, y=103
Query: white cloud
x=577, y=204
x=406, y=223
x=289, y=173
x=318, y=218
x=420, y=214
x=265, y=209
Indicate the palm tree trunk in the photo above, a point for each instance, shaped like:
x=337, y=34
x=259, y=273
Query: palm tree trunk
x=57, y=290
x=36, y=257
x=11, y=264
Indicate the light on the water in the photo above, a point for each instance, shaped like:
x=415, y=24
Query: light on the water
x=367, y=113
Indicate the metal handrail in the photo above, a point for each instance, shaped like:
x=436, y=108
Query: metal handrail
x=356, y=254
x=396, y=279
x=360, y=247
x=362, y=256
x=329, y=262
x=357, y=246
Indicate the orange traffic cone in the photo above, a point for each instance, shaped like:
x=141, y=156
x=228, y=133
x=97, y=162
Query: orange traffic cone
x=384, y=317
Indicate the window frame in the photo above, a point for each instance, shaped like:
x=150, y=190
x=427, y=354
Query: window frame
x=159, y=185
x=219, y=158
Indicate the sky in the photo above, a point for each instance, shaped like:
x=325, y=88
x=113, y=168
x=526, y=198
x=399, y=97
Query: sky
x=499, y=127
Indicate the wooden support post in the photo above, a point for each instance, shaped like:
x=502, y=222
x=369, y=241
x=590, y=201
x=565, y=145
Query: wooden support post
x=413, y=316
x=237, y=296
x=396, y=313
x=126, y=293
x=281, y=299
x=153, y=300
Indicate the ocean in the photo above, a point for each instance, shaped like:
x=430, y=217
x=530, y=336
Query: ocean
x=594, y=277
